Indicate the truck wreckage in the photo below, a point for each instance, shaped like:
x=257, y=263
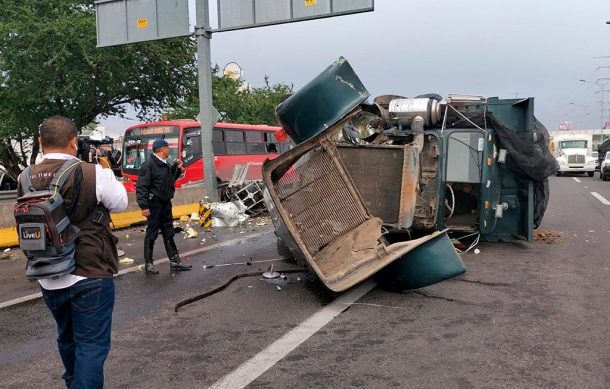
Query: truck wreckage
x=377, y=189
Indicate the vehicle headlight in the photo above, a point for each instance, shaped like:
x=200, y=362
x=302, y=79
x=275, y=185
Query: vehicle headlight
x=591, y=162
x=561, y=162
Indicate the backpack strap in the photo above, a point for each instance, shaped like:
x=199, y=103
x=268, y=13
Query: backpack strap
x=60, y=178
x=25, y=181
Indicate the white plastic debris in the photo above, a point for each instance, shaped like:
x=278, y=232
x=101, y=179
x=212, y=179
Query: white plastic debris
x=195, y=216
x=120, y=252
x=7, y=250
x=228, y=213
x=190, y=233
x=278, y=287
x=477, y=251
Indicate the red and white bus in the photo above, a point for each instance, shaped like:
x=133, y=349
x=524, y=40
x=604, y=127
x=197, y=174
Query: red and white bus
x=233, y=144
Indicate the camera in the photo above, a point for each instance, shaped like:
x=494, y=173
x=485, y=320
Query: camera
x=101, y=151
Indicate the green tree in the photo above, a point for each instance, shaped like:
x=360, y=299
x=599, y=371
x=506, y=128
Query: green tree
x=237, y=102
x=50, y=65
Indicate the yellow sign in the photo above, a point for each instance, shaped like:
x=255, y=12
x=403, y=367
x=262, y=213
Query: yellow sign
x=142, y=23
x=309, y=3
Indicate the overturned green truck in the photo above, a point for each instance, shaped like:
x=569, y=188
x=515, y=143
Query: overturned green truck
x=378, y=189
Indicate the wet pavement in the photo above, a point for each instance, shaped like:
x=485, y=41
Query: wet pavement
x=523, y=316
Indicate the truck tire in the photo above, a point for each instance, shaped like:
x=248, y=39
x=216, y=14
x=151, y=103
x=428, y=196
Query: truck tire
x=558, y=174
x=590, y=174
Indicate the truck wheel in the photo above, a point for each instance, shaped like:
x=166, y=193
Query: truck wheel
x=590, y=174
x=558, y=174
x=604, y=177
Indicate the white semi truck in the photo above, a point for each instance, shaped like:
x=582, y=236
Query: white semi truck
x=573, y=153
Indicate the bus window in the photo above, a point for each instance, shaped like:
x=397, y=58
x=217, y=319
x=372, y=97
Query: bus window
x=191, y=145
x=218, y=143
x=234, y=142
x=271, y=144
x=254, y=142
x=139, y=149
x=285, y=146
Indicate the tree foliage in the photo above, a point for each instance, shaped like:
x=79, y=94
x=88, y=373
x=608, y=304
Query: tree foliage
x=236, y=101
x=50, y=65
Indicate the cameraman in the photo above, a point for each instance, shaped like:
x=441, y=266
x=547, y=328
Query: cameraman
x=81, y=302
x=154, y=191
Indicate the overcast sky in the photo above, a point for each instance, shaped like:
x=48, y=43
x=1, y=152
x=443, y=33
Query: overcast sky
x=504, y=48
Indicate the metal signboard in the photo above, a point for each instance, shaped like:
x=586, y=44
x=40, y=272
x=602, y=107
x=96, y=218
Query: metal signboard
x=240, y=14
x=128, y=21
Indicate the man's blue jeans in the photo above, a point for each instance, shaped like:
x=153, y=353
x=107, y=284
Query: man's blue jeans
x=83, y=313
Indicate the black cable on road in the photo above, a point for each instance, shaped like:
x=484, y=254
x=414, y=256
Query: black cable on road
x=224, y=286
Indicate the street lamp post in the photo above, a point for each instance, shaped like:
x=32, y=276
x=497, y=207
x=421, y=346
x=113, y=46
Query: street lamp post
x=602, y=90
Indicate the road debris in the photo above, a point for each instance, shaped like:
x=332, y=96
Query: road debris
x=7, y=250
x=546, y=236
x=120, y=252
x=477, y=251
x=190, y=233
x=126, y=261
x=185, y=219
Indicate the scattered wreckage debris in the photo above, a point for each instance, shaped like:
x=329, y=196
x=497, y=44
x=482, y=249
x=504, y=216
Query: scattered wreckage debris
x=546, y=236
x=370, y=187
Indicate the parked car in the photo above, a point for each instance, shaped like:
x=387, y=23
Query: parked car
x=595, y=155
x=604, y=169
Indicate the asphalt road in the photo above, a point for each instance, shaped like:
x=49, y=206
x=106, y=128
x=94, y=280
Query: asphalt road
x=523, y=316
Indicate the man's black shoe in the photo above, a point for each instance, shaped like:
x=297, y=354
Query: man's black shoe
x=149, y=268
x=177, y=265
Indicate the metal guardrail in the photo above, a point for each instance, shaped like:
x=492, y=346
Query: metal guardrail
x=8, y=195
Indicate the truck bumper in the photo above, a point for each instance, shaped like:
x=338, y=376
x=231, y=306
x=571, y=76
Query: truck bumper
x=576, y=169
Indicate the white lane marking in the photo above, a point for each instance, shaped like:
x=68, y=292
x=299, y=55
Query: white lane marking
x=34, y=296
x=263, y=361
x=20, y=300
x=575, y=179
x=601, y=198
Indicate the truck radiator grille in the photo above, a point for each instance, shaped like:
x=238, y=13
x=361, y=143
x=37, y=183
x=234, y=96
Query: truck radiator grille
x=315, y=194
x=576, y=158
x=377, y=175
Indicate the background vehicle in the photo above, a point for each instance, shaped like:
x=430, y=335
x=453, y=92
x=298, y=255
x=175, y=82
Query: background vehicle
x=573, y=153
x=604, y=169
x=595, y=155
x=234, y=144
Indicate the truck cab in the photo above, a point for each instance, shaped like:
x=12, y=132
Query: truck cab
x=369, y=187
x=573, y=156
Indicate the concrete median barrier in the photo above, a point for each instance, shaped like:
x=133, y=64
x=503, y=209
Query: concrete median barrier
x=186, y=201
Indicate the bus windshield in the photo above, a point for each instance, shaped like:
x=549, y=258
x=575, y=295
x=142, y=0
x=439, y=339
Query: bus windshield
x=574, y=144
x=138, y=149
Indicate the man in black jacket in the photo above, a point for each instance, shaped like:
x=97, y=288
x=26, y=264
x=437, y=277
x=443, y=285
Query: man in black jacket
x=154, y=191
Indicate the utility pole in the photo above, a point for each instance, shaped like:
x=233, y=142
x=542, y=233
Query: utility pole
x=602, y=90
x=203, y=32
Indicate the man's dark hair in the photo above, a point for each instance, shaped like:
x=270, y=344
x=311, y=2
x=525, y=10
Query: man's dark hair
x=57, y=131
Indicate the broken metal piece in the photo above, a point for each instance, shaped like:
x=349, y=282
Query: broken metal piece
x=270, y=274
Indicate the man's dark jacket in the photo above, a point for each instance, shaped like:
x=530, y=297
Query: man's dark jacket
x=156, y=178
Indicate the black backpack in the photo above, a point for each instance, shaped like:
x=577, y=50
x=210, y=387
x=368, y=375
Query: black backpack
x=46, y=235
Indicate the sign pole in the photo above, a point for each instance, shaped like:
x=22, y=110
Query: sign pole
x=203, y=33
